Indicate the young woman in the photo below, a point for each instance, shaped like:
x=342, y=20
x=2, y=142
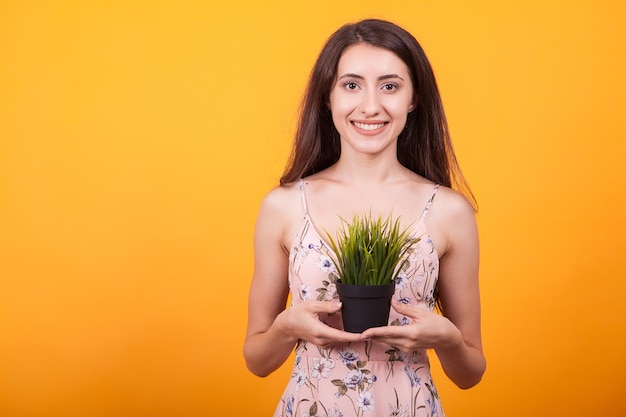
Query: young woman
x=373, y=139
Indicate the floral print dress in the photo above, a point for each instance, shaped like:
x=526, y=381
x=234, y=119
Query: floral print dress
x=366, y=378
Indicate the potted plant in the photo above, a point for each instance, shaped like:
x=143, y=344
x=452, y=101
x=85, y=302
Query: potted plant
x=366, y=256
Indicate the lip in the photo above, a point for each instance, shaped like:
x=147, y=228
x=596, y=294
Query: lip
x=371, y=127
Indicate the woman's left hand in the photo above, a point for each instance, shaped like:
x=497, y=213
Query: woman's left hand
x=428, y=330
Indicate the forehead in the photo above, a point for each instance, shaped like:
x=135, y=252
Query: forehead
x=365, y=59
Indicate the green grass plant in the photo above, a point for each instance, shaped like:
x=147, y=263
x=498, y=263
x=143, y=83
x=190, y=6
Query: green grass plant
x=368, y=251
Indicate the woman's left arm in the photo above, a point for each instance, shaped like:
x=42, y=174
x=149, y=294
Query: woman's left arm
x=463, y=359
x=455, y=336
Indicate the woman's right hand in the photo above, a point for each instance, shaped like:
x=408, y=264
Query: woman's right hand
x=302, y=322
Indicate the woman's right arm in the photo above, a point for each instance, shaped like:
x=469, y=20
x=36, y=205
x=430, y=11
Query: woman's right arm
x=273, y=330
x=266, y=347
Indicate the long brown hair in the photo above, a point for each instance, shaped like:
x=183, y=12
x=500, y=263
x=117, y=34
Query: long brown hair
x=424, y=146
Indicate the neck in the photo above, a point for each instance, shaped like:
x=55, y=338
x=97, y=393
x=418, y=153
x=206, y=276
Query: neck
x=366, y=171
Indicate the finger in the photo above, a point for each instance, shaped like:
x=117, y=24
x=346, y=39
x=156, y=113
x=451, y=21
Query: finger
x=402, y=308
x=411, y=311
x=332, y=306
x=400, y=343
x=340, y=336
x=396, y=337
x=324, y=306
x=381, y=332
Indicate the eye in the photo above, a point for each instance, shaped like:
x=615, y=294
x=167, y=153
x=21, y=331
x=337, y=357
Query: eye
x=351, y=85
x=390, y=87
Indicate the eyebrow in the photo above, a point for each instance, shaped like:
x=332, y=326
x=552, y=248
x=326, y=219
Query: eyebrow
x=360, y=77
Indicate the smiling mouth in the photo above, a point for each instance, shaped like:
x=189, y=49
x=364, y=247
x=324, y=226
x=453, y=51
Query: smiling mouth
x=369, y=126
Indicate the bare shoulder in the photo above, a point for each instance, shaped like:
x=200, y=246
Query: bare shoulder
x=453, y=217
x=280, y=197
x=280, y=210
x=451, y=204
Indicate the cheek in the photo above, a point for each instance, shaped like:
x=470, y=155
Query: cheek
x=399, y=108
x=342, y=108
x=339, y=119
x=401, y=120
x=342, y=103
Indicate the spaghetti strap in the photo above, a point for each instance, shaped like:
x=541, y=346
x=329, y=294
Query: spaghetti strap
x=303, y=196
x=430, y=202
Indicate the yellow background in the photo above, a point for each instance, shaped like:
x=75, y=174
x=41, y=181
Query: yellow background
x=137, y=139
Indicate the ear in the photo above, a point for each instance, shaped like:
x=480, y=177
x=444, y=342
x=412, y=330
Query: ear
x=413, y=105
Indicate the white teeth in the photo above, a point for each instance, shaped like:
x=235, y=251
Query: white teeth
x=368, y=126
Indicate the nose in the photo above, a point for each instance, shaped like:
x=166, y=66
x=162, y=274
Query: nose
x=370, y=104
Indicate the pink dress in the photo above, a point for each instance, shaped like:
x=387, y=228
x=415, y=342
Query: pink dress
x=364, y=378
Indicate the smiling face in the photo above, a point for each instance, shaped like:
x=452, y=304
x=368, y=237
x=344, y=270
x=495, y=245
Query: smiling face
x=370, y=99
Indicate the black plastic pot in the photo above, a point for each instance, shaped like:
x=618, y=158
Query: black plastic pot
x=365, y=306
